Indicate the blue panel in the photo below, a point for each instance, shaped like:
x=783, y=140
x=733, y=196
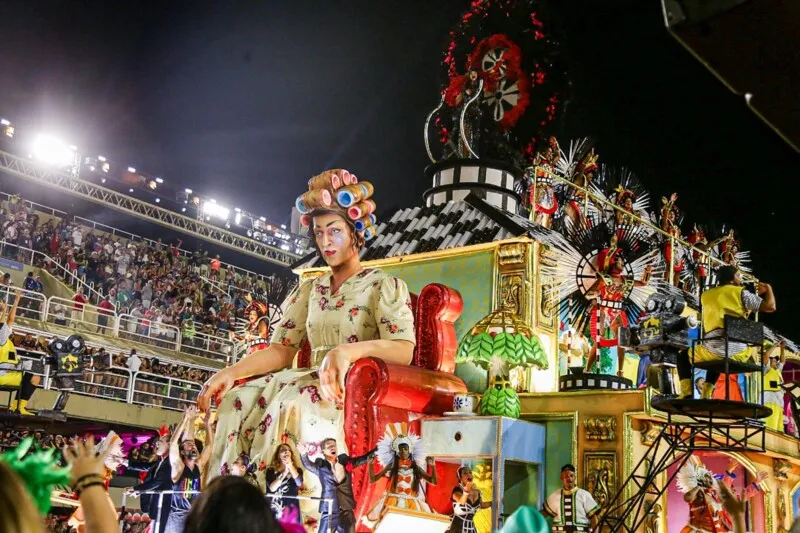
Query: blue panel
x=524, y=441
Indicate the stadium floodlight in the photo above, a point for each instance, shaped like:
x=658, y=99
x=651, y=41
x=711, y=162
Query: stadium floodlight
x=132, y=170
x=130, y=190
x=5, y=122
x=158, y=200
x=101, y=158
x=237, y=209
x=238, y=218
x=211, y=208
x=188, y=191
x=159, y=180
x=103, y=180
x=183, y=209
x=52, y=151
x=263, y=219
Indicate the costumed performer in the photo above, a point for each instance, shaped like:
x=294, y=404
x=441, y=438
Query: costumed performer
x=701, y=491
x=334, y=473
x=284, y=479
x=12, y=373
x=467, y=501
x=573, y=509
x=402, y=457
x=728, y=298
x=670, y=225
x=110, y=448
x=542, y=194
x=773, y=361
x=575, y=208
x=346, y=315
x=256, y=332
x=608, y=293
x=158, y=478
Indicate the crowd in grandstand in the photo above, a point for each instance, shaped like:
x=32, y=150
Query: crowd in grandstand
x=165, y=292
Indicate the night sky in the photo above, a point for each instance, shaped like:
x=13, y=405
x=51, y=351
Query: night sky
x=245, y=103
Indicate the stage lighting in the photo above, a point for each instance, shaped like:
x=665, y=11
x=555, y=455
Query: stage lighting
x=8, y=129
x=183, y=209
x=52, y=151
x=159, y=180
x=238, y=219
x=101, y=158
x=132, y=170
x=188, y=191
x=103, y=180
x=158, y=200
x=130, y=190
x=263, y=219
x=211, y=208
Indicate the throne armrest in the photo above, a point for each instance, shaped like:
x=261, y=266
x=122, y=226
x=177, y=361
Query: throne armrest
x=374, y=383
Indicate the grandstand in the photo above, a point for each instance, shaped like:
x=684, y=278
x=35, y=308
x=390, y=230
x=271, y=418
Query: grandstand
x=120, y=292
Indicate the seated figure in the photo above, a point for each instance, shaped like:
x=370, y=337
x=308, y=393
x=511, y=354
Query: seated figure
x=345, y=315
x=728, y=298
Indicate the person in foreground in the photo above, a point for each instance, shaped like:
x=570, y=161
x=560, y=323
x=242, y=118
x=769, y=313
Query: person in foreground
x=230, y=504
x=346, y=315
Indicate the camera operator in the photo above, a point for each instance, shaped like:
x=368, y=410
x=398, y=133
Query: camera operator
x=728, y=298
x=12, y=372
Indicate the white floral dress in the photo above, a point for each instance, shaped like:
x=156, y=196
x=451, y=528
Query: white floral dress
x=255, y=417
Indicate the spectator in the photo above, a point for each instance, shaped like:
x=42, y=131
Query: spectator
x=106, y=310
x=134, y=362
x=79, y=301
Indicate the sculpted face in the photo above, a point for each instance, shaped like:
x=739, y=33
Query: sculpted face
x=334, y=239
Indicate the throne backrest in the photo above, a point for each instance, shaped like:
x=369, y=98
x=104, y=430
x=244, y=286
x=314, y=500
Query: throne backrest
x=435, y=311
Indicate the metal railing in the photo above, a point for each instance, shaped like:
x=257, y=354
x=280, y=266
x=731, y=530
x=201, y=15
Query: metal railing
x=161, y=391
x=161, y=503
x=147, y=331
x=208, y=346
x=70, y=278
x=33, y=205
x=32, y=305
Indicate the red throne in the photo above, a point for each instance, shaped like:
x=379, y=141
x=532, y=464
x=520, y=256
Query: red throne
x=379, y=393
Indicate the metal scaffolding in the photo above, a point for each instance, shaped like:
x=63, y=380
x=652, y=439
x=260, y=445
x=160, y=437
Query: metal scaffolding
x=26, y=169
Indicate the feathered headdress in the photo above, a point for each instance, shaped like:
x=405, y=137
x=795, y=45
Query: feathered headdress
x=115, y=457
x=690, y=475
x=340, y=191
x=395, y=435
x=38, y=470
x=164, y=430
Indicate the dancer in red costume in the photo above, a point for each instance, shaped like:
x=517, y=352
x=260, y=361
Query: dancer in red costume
x=542, y=196
x=608, y=293
x=670, y=223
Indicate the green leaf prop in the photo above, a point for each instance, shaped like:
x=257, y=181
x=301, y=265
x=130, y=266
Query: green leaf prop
x=38, y=470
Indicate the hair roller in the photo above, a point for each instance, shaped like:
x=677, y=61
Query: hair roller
x=316, y=198
x=361, y=209
x=300, y=205
x=369, y=232
x=346, y=178
x=368, y=189
x=305, y=220
x=362, y=223
x=353, y=179
x=329, y=180
x=349, y=195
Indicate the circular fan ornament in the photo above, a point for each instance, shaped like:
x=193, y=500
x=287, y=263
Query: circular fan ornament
x=500, y=341
x=508, y=51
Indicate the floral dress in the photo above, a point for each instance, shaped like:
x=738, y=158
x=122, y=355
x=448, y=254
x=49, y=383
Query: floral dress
x=254, y=417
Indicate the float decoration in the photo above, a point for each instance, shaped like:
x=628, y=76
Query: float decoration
x=38, y=470
x=499, y=341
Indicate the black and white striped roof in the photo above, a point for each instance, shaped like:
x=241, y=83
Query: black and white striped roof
x=426, y=229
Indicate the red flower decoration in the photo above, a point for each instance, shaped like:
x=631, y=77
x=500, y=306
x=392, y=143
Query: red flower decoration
x=262, y=403
x=352, y=338
x=265, y=424
x=289, y=324
x=237, y=404
x=323, y=303
x=340, y=304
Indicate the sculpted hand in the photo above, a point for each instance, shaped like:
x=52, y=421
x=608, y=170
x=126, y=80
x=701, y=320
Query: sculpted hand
x=332, y=373
x=217, y=386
